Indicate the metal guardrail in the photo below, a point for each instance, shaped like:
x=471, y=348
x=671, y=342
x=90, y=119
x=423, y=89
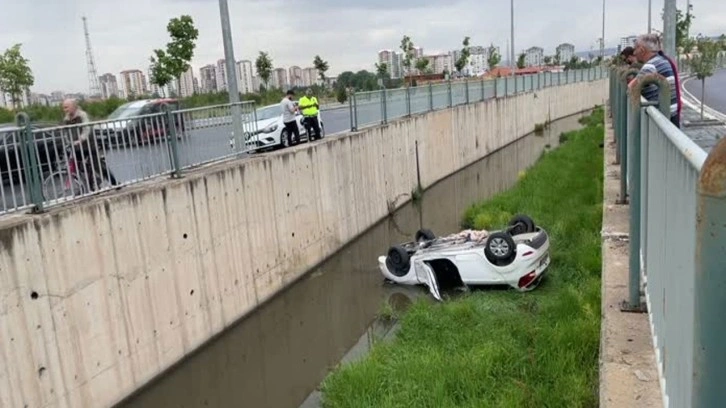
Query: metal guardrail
x=40, y=167
x=378, y=107
x=677, y=198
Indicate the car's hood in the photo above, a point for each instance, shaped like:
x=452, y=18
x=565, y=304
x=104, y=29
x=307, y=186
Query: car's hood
x=261, y=124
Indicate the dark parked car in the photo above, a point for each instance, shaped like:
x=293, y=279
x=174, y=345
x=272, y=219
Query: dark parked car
x=48, y=145
x=125, y=125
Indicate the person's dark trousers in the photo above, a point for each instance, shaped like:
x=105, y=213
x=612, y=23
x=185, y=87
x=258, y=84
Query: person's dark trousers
x=676, y=120
x=95, y=166
x=292, y=129
x=312, y=124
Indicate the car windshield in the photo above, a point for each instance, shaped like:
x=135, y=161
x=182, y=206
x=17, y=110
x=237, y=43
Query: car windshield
x=124, y=111
x=268, y=112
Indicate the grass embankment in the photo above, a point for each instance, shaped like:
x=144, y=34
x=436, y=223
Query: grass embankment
x=503, y=348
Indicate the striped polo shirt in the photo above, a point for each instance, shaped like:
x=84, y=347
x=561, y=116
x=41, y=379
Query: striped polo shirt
x=660, y=65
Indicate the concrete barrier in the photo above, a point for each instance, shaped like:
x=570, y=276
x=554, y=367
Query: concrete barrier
x=98, y=298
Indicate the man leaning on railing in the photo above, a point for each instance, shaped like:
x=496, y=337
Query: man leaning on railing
x=84, y=143
x=646, y=50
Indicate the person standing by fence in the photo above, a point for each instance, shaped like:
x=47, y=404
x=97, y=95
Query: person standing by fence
x=288, y=119
x=309, y=107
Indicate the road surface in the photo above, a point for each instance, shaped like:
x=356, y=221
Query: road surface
x=715, y=90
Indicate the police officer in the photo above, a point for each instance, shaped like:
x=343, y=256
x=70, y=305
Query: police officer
x=309, y=108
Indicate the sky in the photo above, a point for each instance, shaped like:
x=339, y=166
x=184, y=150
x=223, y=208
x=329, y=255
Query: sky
x=346, y=33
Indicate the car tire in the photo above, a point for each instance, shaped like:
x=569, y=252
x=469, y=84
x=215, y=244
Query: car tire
x=500, y=248
x=521, y=224
x=424, y=234
x=398, y=261
x=283, y=138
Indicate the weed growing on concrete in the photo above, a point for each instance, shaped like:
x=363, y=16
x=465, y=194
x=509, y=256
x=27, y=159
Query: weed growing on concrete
x=502, y=348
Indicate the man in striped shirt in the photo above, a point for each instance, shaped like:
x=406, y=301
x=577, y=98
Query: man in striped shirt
x=646, y=51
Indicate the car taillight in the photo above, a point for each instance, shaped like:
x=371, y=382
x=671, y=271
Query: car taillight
x=526, y=279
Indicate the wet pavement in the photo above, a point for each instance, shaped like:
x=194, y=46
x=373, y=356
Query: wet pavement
x=277, y=356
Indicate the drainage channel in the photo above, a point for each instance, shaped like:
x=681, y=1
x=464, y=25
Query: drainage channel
x=278, y=355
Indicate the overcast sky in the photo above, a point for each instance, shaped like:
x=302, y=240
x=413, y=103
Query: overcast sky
x=346, y=33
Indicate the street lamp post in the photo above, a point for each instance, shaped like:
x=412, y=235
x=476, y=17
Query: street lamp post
x=650, y=14
x=602, y=39
x=669, y=27
x=231, y=74
x=511, y=50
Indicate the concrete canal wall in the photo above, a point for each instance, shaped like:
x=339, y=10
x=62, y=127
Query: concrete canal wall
x=99, y=297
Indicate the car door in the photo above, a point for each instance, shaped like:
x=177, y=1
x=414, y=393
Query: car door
x=474, y=268
x=425, y=275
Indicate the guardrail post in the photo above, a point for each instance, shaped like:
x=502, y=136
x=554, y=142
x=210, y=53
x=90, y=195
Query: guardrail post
x=431, y=97
x=28, y=154
x=709, y=336
x=384, y=106
x=174, y=144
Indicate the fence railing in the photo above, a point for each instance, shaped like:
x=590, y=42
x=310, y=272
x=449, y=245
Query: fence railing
x=378, y=107
x=41, y=166
x=677, y=198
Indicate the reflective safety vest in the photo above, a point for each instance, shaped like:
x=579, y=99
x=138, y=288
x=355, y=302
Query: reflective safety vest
x=308, y=106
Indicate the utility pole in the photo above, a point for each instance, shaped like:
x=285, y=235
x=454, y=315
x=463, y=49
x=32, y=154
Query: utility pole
x=602, y=39
x=231, y=68
x=650, y=15
x=512, y=61
x=669, y=28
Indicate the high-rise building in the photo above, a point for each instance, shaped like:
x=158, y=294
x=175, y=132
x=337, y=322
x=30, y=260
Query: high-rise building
x=310, y=76
x=534, y=57
x=439, y=63
x=208, y=79
x=296, y=76
x=628, y=41
x=244, y=76
x=133, y=82
x=186, y=83
x=392, y=61
x=108, y=84
x=279, y=78
x=221, y=77
x=566, y=51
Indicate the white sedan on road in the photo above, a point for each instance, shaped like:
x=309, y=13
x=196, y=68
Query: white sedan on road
x=270, y=131
x=516, y=256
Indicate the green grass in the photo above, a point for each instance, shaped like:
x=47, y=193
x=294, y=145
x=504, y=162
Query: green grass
x=502, y=348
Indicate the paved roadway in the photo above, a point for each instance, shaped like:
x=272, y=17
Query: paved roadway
x=715, y=90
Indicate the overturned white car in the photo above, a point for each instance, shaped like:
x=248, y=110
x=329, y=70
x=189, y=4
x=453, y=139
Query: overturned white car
x=516, y=256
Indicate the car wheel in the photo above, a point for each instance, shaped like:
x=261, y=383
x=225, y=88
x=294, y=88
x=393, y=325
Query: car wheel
x=398, y=261
x=500, y=248
x=521, y=224
x=284, y=135
x=424, y=235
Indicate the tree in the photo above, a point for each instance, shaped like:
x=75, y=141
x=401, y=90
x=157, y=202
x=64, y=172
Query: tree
x=408, y=53
x=494, y=58
x=683, y=26
x=548, y=60
x=464, y=57
x=172, y=63
x=520, y=61
x=263, y=63
x=703, y=63
x=557, y=60
x=422, y=65
x=382, y=70
x=322, y=67
x=15, y=74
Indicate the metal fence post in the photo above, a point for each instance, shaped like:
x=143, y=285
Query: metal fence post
x=28, y=154
x=466, y=90
x=483, y=95
x=506, y=86
x=633, y=303
x=384, y=107
x=709, y=336
x=174, y=144
x=451, y=99
x=355, y=110
x=431, y=97
x=408, y=101
x=350, y=110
